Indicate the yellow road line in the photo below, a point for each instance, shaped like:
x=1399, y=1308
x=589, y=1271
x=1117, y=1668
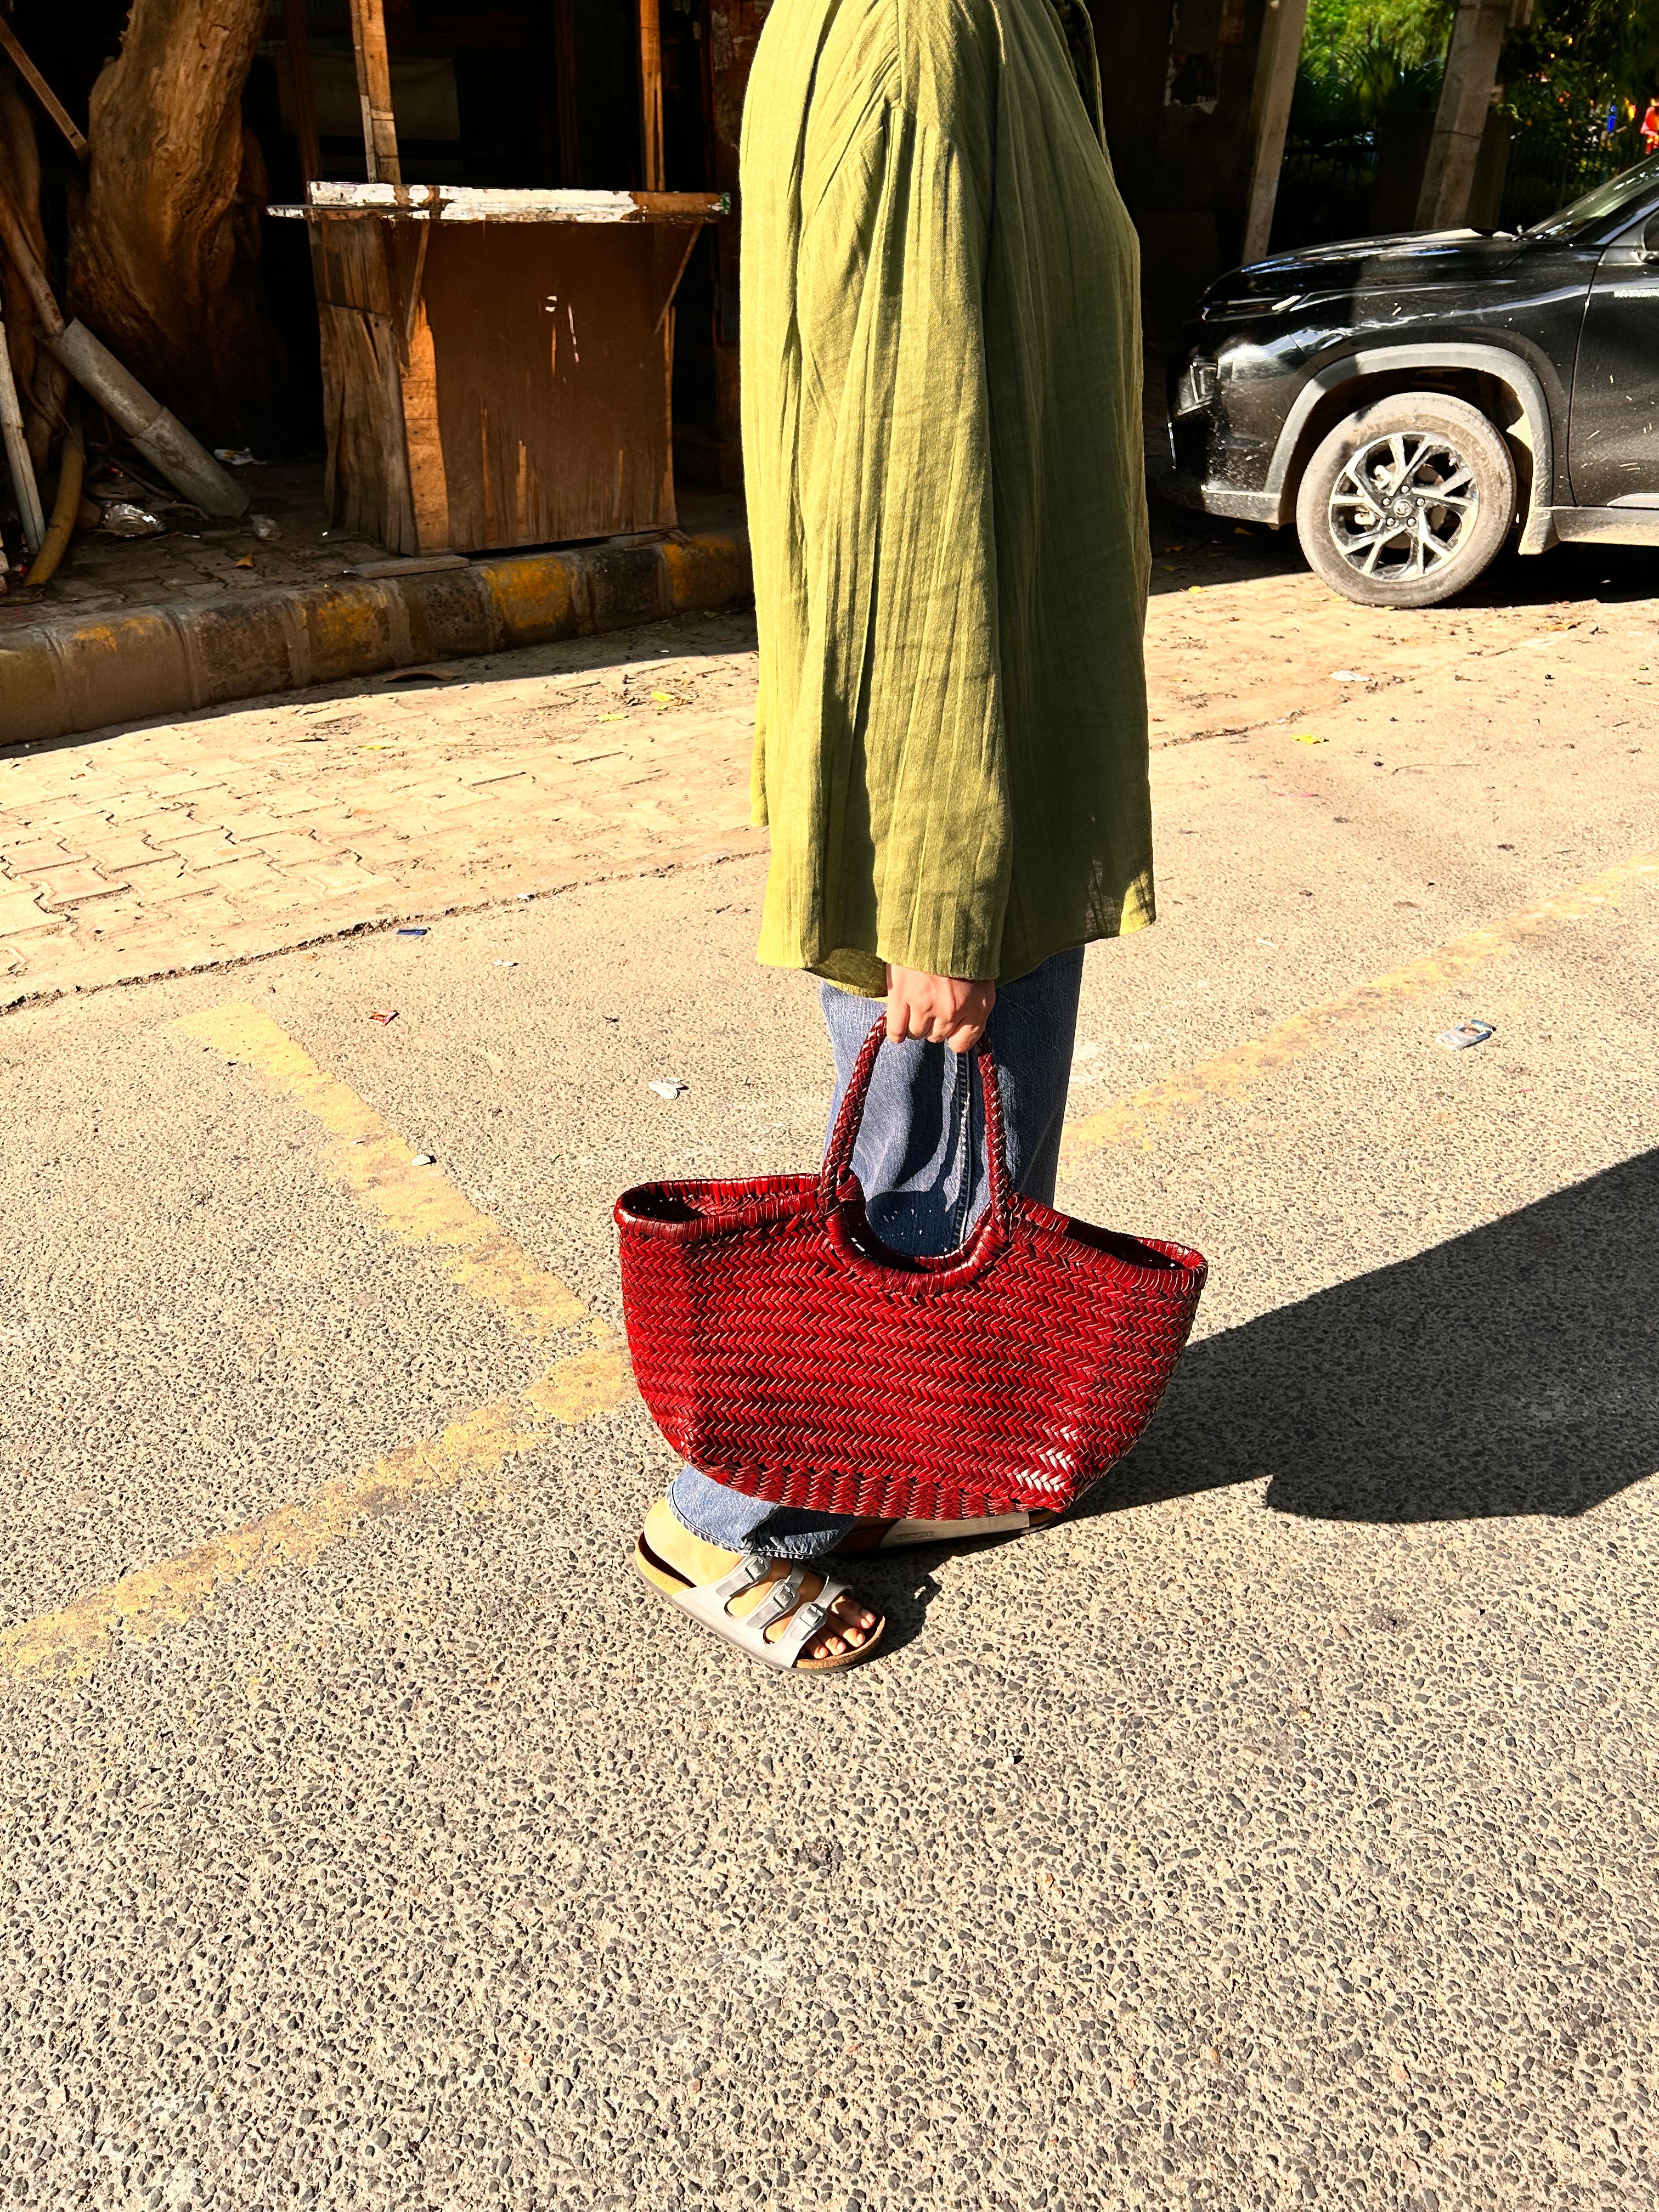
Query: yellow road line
x=1242, y=1065
x=420, y=1207
x=372, y=1162
x=68, y=1644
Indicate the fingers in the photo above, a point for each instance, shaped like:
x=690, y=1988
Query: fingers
x=937, y=1009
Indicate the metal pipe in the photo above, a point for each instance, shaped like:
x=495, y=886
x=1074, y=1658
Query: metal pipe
x=189, y=467
x=138, y=415
x=17, y=454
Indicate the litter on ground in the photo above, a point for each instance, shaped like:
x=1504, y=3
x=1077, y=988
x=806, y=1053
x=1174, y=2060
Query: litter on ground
x=669, y=1086
x=1465, y=1035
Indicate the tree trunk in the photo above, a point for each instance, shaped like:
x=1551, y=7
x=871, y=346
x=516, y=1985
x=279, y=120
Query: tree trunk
x=164, y=261
x=41, y=383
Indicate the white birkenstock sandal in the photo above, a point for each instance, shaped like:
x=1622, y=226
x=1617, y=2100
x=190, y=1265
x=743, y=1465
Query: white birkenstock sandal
x=709, y=1602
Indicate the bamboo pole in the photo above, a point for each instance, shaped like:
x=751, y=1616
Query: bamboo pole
x=296, y=48
x=42, y=92
x=157, y=432
x=374, y=91
x=651, y=94
x=17, y=454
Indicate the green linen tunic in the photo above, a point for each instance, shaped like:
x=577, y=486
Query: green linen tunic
x=942, y=441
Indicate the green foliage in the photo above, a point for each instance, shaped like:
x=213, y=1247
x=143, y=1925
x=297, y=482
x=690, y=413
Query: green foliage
x=1362, y=59
x=1574, y=60
x=1595, y=48
x=1414, y=30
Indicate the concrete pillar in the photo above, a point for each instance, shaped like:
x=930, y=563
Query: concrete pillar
x=1460, y=120
x=1282, y=26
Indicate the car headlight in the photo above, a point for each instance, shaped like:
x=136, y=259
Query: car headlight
x=1196, y=387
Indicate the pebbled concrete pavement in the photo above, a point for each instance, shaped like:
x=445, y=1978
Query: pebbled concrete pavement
x=151, y=848
x=1276, y=1831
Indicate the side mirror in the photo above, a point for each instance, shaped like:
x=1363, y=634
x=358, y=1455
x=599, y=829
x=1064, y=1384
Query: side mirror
x=1650, y=238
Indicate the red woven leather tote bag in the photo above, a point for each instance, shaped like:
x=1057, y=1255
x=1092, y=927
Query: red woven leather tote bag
x=783, y=1349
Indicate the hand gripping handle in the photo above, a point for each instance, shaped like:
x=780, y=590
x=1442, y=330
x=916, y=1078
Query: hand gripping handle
x=838, y=1158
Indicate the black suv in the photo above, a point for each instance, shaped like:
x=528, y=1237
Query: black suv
x=1409, y=400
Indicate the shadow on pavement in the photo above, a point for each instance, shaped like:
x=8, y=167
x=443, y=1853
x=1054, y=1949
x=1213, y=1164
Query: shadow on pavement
x=1191, y=548
x=1508, y=1371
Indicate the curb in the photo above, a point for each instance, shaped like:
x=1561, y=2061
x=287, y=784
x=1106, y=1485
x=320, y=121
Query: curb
x=67, y=677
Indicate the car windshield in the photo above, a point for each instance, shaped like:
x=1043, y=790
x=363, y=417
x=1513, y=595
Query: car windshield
x=1606, y=200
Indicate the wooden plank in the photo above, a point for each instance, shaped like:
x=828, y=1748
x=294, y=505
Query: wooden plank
x=491, y=204
x=350, y=264
x=363, y=344
x=296, y=51
x=42, y=92
x=651, y=94
x=428, y=475
x=670, y=249
x=549, y=383
x=374, y=90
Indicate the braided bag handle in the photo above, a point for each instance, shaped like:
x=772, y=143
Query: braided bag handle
x=838, y=1155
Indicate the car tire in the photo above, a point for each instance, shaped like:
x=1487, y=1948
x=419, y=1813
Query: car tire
x=1396, y=453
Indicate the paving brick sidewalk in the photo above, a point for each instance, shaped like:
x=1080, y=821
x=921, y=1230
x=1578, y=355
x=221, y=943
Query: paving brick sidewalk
x=241, y=831
x=234, y=834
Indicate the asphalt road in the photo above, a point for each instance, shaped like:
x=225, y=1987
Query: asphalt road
x=1278, y=1829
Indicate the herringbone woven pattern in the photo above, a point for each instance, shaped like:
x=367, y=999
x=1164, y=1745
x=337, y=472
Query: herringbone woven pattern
x=782, y=1348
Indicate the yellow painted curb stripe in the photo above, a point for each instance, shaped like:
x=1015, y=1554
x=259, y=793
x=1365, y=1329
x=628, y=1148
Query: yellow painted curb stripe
x=68, y=1644
x=1242, y=1065
x=369, y=1160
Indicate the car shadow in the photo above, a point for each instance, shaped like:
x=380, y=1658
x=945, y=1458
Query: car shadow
x=1507, y=1371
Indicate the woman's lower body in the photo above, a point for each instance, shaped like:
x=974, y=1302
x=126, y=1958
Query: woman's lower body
x=920, y=1160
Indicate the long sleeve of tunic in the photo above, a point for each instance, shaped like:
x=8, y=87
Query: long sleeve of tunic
x=943, y=452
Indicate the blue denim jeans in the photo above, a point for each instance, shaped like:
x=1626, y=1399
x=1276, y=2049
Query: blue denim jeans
x=920, y=1158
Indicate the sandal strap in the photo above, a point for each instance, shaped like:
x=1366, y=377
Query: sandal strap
x=783, y=1597
x=708, y=1603
x=748, y=1571
x=808, y=1621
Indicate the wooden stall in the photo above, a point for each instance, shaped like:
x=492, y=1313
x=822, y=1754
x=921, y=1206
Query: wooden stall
x=496, y=363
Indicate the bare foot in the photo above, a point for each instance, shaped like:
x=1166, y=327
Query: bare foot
x=848, y=1627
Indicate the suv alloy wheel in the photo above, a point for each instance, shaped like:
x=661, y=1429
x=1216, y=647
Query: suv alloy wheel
x=1407, y=501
